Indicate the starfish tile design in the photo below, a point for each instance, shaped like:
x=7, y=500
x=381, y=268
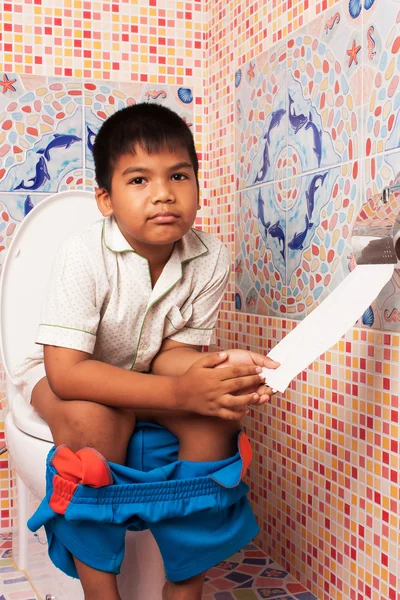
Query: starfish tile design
x=8, y=84
x=250, y=72
x=354, y=50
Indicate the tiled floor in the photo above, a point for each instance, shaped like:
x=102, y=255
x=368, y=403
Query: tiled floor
x=248, y=575
x=13, y=584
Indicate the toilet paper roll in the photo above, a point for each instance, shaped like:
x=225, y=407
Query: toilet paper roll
x=324, y=327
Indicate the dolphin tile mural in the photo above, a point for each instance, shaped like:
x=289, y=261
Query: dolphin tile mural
x=298, y=129
x=289, y=254
x=317, y=128
x=261, y=104
x=41, y=133
x=260, y=243
x=46, y=139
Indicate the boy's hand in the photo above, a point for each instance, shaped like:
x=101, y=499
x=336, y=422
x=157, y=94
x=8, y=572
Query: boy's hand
x=218, y=393
x=245, y=357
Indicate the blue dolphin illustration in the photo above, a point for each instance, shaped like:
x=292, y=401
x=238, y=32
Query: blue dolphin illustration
x=315, y=184
x=41, y=176
x=298, y=239
x=277, y=117
x=260, y=206
x=317, y=138
x=276, y=231
x=27, y=205
x=296, y=121
x=266, y=164
x=60, y=141
x=90, y=138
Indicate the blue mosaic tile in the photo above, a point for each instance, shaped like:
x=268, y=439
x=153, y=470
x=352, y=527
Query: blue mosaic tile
x=238, y=577
x=305, y=596
x=245, y=585
x=7, y=570
x=255, y=561
x=13, y=581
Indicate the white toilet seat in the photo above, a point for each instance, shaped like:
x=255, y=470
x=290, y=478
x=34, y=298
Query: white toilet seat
x=28, y=421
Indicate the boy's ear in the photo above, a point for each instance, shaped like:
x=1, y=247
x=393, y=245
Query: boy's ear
x=103, y=202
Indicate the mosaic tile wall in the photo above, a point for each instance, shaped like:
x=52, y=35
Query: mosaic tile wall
x=304, y=102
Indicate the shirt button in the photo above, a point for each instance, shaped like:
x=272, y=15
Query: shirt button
x=145, y=345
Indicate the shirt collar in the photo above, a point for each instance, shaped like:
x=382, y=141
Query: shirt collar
x=189, y=247
x=113, y=238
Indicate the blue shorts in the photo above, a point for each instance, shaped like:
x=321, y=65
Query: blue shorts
x=198, y=513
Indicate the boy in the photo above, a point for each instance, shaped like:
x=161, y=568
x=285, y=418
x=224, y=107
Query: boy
x=139, y=292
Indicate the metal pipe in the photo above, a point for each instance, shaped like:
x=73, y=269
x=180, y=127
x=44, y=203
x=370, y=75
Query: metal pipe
x=389, y=190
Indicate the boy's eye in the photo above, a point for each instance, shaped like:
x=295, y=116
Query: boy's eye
x=179, y=176
x=137, y=180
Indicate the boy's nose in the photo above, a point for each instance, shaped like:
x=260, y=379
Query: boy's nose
x=162, y=193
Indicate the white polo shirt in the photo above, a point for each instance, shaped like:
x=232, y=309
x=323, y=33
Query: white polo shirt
x=100, y=299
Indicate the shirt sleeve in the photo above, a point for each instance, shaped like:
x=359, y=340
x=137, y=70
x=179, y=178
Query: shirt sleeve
x=70, y=313
x=199, y=329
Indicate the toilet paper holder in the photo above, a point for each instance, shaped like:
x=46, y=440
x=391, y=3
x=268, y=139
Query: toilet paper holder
x=376, y=232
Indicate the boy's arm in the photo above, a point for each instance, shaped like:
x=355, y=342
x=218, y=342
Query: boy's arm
x=175, y=358
x=74, y=375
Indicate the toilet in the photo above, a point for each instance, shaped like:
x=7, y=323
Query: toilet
x=28, y=438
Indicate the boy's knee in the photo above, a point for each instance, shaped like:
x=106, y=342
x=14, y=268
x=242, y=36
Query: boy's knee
x=97, y=419
x=213, y=426
x=204, y=431
x=106, y=429
x=79, y=423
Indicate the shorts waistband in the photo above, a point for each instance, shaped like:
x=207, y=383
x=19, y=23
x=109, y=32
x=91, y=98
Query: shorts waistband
x=139, y=493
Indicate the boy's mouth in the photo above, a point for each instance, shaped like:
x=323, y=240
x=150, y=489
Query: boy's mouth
x=164, y=217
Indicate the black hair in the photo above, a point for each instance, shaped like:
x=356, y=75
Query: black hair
x=151, y=126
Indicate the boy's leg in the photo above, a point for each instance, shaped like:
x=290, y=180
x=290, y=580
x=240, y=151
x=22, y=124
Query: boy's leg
x=97, y=584
x=191, y=589
x=201, y=438
x=79, y=424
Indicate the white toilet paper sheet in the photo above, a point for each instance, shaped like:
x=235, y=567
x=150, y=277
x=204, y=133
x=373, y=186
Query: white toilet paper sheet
x=324, y=327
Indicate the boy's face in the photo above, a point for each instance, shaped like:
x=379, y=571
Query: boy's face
x=154, y=198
